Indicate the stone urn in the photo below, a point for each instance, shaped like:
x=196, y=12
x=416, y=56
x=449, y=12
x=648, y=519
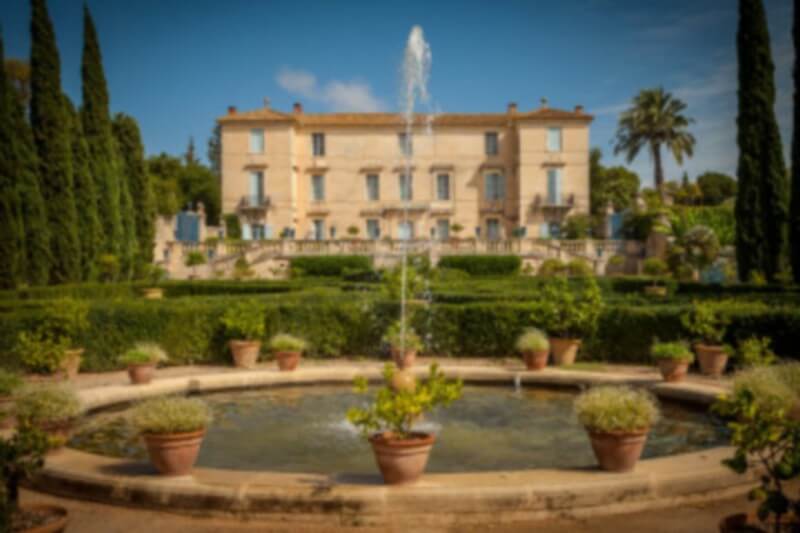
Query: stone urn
x=618, y=451
x=71, y=365
x=141, y=374
x=174, y=454
x=712, y=359
x=401, y=460
x=564, y=350
x=245, y=353
x=404, y=359
x=673, y=370
x=287, y=361
x=535, y=359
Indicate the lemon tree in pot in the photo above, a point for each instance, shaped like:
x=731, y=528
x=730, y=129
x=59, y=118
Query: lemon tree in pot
x=9, y=384
x=244, y=326
x=673, y=359
x=52, y=408
x=657, y=269
x=400, y=452
x=142, y=361
x=173, y=430
x=762, y=412
x=568, y=315
x=404, y=345
x=705, y=324
x=618, y=419
x=21, y=456
x=287, y=350
x=534, y=347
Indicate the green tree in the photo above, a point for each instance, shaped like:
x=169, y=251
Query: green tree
x=794, y=220
x=655, y=119
x=126, y=131
x=50, y=125
x=129, y=248
x=18, y=72
x=99, y=139
x=761, y=201
x=214, y=151
x=716, y=187
x=85, y=196
x=610, y=185
x=195, y=182
x=12, y=251
x=190, y=157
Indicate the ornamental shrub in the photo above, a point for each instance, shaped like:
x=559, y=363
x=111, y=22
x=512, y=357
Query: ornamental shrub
x=532, y=340
x=675, y=351
x=396, y=339
x=283, y=342
x=330, y=265
x=552, y=267
x=616, y=408
x=482, y=265
x=144, y=353
x=567, y=313
x=244, y=320
x=171, y=415
x=47, y=403
x=705, y=323
x=9, y=382
x=755, y=351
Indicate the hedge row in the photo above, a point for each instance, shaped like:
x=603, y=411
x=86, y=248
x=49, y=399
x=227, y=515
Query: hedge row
x=482, y=265
x=330, y=265
x=190, y=329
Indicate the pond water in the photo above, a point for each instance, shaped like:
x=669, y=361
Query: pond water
x=303, y=429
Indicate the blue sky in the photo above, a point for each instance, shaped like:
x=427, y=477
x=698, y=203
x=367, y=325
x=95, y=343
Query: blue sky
x=176, y=65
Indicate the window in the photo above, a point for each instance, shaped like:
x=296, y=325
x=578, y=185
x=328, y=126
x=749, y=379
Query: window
x=319, y=230
x=318, y=188
x=257, y=141
x=553, y=139
x=373, y=188
x=554, y=186
x=256, y=196
x=405, y=142
x=495, y=187
x=406, y=188
x=443, y=187
x=492, y=147
x=373, y=229
x=318, y=144
x=258, y=231
x=405, y=230
x=443, y=229
x=492, y=229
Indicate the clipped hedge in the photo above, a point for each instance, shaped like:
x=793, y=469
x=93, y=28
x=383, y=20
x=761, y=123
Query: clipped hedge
x=331, y=265
x=482, y=265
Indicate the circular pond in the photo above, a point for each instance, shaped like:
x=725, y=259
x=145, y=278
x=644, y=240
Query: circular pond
x=303, y=429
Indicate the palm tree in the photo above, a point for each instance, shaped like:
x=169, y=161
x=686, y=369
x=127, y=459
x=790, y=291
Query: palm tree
x=656, y=118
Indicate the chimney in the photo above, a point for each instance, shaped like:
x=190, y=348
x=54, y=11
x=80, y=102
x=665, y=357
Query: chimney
x=266, y=102
x=512, y=108
x=543, y=103
x=231, y=109
x=298, y=108
x=579, y=109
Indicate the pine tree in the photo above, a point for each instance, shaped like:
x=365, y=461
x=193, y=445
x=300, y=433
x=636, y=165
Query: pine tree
x=761, y=202
x=12, y=250
x=794, y=220
x=190, y=157
x=85, y=196
x=51, y=135
x=214, y=151
x=99, y=139
x=126, y=132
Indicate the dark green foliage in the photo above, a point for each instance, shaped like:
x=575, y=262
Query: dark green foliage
x=12, y=245
x=761, y=201
x=85, y=197
x=330, y=265
x=794, y=220
x=214, y=152
x=99, y=139
x=193, y=183
x=610, y=185
x=50, y=125
x=233, y=229
x=482, y=265
x=716, y=187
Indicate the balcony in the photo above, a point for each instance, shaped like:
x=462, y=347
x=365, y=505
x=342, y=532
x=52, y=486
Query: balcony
x=254, y=204
x=551, y=204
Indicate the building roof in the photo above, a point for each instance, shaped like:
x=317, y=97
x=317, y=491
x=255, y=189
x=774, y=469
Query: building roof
x=396, y=119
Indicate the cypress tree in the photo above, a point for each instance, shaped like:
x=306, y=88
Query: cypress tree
x=85, y=196
x=12, y=251
x=126, y=132
x=794, y=220
x=50, y=127
x=99, y=139
x=761, y=201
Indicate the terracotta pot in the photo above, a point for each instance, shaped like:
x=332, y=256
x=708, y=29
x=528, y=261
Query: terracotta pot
x=749, y=523
x=71, y=364
x=618, y=451
x=6, y=412
x=401, y=461
x=404, y=359
x=141, y=374
x=712, y=359
x=287, y=360
x=673, y=370
x=655, y=290
x=153, y=293
x=564, y=350
x=58, y=430
x=56, y=525
x=174, y=454
x=535, y=360
x=245, y=353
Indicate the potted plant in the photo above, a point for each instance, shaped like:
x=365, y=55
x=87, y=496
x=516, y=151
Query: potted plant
x=9, y=383
x=194, y=259
x=618, y=419
x=400, y=452
x=52, y=408
x=763, y=417
x=154, y=274
x=534, y=347
x=287, y=350
x=568, y=315
x=244, y=326
x=707, y=326
x=657, y=269
x=173, y=430
x=21, y=456
x=673, y=359
x=142, y=360
x=404, y=344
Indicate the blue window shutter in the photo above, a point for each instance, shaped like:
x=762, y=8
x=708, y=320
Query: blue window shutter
x=246, y=232
x=558, y=186
x=544, y=230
